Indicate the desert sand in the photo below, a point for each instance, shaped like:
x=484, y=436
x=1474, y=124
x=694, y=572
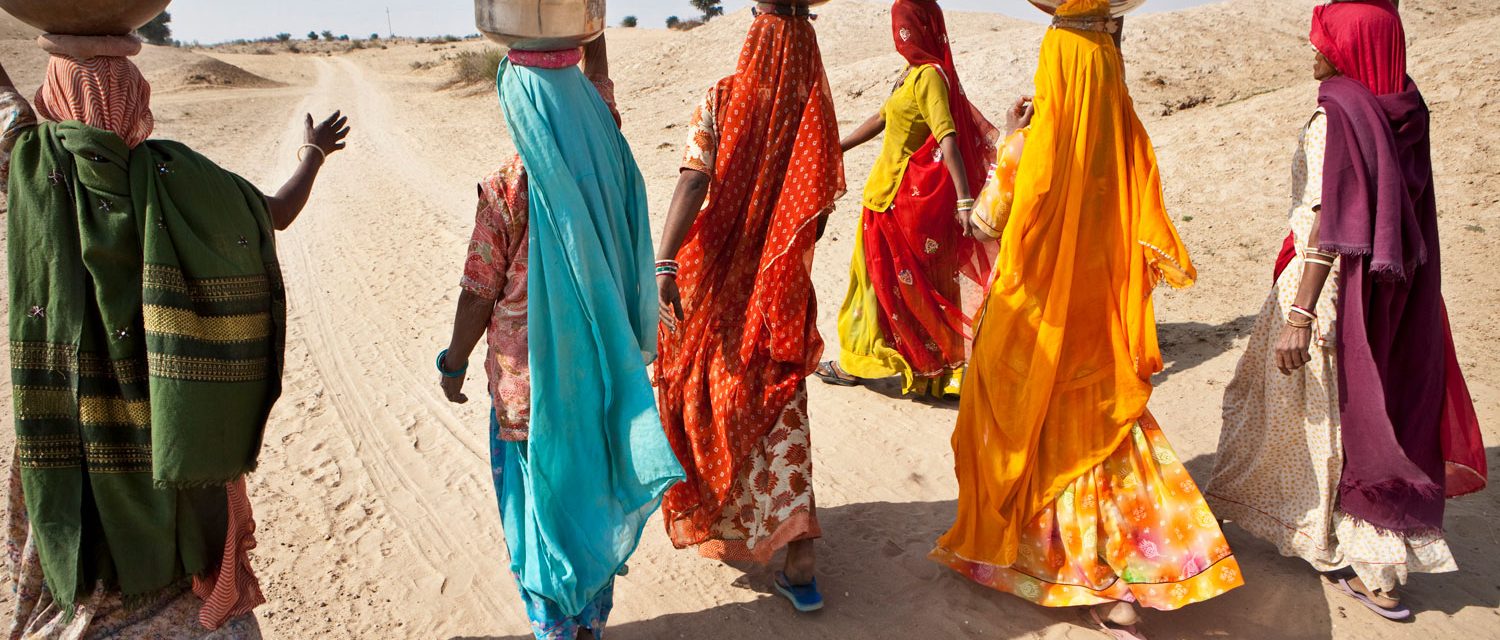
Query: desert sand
x=377, y=517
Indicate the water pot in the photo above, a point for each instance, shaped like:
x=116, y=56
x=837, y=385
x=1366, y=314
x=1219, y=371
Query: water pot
x=540, y=25
x=1117, y=8
x=85, y=17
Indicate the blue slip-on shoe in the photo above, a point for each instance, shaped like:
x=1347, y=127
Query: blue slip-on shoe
x=805, y=597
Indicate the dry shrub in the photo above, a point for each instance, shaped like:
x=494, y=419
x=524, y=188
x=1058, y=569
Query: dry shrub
x=474, y=67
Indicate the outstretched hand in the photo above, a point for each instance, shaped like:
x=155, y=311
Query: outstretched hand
x=329, y=134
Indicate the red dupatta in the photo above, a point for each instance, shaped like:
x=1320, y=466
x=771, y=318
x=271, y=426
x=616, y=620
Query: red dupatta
x=749, y=336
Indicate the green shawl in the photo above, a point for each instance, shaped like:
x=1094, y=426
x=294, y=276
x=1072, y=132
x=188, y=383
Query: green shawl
x=147, y=323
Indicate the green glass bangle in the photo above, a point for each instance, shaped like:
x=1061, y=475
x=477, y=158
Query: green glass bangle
x=446, y=373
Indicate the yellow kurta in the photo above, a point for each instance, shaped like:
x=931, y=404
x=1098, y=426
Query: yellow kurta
x=918, y=109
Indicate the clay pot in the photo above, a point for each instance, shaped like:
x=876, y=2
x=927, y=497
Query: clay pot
x=540, y=25
x=1117, y=8
x=85, y=17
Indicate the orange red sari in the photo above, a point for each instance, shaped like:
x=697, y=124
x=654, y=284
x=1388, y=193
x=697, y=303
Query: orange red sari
x=735, y=369
x=1063, y=355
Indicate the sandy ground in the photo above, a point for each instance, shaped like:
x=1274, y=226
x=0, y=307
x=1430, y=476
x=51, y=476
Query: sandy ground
x=377, y=516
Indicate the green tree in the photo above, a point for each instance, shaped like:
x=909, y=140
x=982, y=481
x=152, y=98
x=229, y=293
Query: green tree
x=673, y=21
x=374, y=36
x=328, y=35
x=284, y=37
x=156, y=31
x=711, y=8
x=312, y=35
x=629, y=22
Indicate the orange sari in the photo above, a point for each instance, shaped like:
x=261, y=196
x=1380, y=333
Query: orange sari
x=1066, y=342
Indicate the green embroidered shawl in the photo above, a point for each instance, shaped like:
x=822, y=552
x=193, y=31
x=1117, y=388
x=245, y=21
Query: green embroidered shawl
x=147, y=323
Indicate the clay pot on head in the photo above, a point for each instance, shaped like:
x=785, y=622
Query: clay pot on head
x=85, y=17
x=540, y=25
x=1117, y=8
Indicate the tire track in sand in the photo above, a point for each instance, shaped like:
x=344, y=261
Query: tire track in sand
x=369, y=271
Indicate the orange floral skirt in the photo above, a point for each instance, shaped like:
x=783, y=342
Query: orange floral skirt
x=1132, y=529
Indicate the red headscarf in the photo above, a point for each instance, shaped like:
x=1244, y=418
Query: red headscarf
x=921, y=37
x=750, y=334
x=1365, y=41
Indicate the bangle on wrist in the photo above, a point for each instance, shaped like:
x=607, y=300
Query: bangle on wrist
x=1299, y=317
x=443, y=355
x=667, y=268
x=322, y=155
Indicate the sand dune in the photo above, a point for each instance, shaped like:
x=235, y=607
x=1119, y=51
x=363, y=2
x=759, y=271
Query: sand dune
x=377, y=518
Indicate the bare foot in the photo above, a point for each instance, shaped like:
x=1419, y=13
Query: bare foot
x=1382, y=599
x=800, y=562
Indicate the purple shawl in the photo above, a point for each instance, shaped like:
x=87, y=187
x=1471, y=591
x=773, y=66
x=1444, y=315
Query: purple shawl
x=1380, y=214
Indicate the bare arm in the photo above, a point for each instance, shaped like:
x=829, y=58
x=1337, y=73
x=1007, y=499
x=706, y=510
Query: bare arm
x=596, y=59
x=1292, y=347
x=864, y=132
x=327, y=136
x=469, y=323
x=687, y=201
x=953, y=159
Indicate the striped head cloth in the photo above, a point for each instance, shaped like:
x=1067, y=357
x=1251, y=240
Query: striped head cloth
x=90, y=80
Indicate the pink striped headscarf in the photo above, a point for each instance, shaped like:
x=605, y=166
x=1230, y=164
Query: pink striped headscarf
x=100, y=90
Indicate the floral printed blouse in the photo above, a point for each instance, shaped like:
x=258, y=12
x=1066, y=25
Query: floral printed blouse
x=495, y=269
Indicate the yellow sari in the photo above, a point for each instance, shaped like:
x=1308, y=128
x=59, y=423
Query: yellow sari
x=1066, y=344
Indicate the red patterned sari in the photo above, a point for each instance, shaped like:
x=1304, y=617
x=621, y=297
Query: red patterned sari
x=731, y=379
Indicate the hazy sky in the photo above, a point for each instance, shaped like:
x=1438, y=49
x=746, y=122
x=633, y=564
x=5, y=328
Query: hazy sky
x=216, y=20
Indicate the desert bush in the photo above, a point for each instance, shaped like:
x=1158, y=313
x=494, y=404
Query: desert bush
x=711, y=8
x=284, y=37
x=629, y=22
x=474, y=67
x=156, y=31
x=673, y=21
x=312, y=35
x=374, y=37
x=328, y=35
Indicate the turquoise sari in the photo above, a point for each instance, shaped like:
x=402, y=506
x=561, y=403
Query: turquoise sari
x=575, y=496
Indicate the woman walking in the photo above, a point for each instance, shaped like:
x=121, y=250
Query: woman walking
x=1069, y=493
x=146, y=303
x=1348, y=420
x=739, y=334
x=913, y=267
x=576, y=446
